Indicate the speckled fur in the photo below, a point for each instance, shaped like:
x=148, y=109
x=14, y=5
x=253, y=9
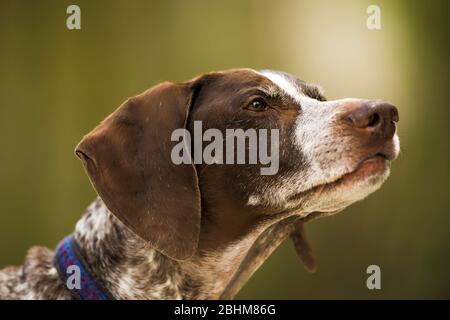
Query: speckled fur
x=36, y=279
x=126, y=265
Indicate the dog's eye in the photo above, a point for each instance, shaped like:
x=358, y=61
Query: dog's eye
x=257, y=105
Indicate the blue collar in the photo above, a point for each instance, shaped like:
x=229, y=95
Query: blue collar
x=68, y=255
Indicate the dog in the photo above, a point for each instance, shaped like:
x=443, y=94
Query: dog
x=160, y=230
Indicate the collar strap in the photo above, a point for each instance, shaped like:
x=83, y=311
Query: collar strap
x=68, y=255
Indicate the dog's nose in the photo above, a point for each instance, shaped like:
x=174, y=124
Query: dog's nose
x=376, y=117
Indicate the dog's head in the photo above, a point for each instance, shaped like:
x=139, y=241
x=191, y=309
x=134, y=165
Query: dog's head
x=329, y=153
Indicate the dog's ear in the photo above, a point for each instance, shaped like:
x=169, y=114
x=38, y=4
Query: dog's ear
x=128, y=160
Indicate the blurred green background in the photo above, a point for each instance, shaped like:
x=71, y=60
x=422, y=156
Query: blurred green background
x=57, y=84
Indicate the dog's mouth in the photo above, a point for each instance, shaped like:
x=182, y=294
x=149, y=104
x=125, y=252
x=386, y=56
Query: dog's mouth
x=372, y=169
x=373, y=165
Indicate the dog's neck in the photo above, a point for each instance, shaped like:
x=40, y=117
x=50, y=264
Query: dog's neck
x=131, y=269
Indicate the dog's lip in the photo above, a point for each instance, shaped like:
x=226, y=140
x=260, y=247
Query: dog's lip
x=387, y=154
x=369, y=166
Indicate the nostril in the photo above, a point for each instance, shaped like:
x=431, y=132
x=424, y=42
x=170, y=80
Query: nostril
x=364, y=118
x=373, y=120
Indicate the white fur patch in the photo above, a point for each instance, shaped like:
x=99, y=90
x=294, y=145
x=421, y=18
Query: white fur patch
x=396, y=142
x=253, y=200
x=284, y=84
